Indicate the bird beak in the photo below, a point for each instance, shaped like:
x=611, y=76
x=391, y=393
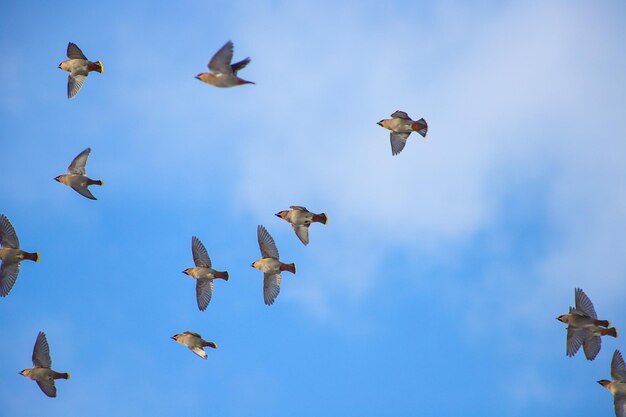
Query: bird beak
x=252, y=264
x=56, y=179
x=197, y=77
x=379, y=123
x=277, y=215
x=173, y=337
x=185, y=272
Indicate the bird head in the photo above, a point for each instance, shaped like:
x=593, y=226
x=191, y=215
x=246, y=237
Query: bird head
x=186, y=271
x=57, y=178
x=253, y=265
x=604, y=382
x=381, y=123
x=198, y=77
x=282, y=214
x=563, y=318
x=175, y=337
x=25, y=372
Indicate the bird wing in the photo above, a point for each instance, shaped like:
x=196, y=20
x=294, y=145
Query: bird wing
x=222, y=58
x=400, y=115
x=41, y=352
x=8, y=237
x=620, y=405
x=266, y=243
x=192, y=334
x=302, y=231
x=239, y=65
x=618, y=368
x=298, y=208
x=74, y=52
x=574, y=340
x=398, y=140
x=83, y=190
x=75, y=83
x=271, y=287
x=200, y=255
x=200, y=352
x=48, y=388
x=583, y=303
x=8, y=276
x=77, y=166
x=204, y=291
x=591, y=346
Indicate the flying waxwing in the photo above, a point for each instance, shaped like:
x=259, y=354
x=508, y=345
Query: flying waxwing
x=401, y=127
x=79, y=68
x=203, y=273
x=77, y=176
x=221, y=72
x=300, y=219
x=11, y=256
x=618, y=384
x=583, y=327
x=270, y=266
x=194, y=342
x=41, y=372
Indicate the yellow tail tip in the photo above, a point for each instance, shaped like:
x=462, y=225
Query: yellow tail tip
x=215, y=345
x=326, y=222
x=101, y=67
x=608, y=324
x=37, y=256
x=68, y=375
x=101, y=183
x=294, y=267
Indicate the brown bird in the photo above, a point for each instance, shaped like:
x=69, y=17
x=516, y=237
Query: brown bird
x=194, y=342
x=617, y=386
x=221, y=72
x=203, y=273
x=77, y=176
x=11, y=256
x=584, y=328
x=270, y=266
x=300, y=219
x=41, y=372
x=401, y=127
x=79, y=68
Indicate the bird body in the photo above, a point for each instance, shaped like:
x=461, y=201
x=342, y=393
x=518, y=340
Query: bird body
x=194, y=342
x=270, y=265
x=300, y=219
x=203, y=273
x=11, y=255
x=617, y=386
x=76, y=178
x=79, y=68
x=41, y=372
x=221, y=72
x=401, y=126
x=584, y=328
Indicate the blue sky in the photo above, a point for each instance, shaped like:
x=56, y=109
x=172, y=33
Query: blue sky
x=435, y=286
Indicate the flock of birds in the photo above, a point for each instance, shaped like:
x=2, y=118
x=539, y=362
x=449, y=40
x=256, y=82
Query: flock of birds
x=583, y=327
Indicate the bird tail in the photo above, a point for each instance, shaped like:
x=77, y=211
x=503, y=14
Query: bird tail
x=242, y=82
x=32, y=256
x=611, y=332
x=94, y=182
x=219, y=274
x=320, y=218
x=209, y=344
x=420, y=127
x=57, y=375
x=603, y=323
x=288, y=267
x=100, y=66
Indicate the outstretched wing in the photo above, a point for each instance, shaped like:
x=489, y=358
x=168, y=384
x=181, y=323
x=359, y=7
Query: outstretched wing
x=583, y=303
x=271, y=287
x=618, y=368
x=239, y=65
x=75, y=83
x=8, y=276
x=8, y=237
x=84, y=191
x=266, y=243
x=398, y=140
x=302, y=231
x=204, y=292
x=574, y=340
x=77, y=166
x=592, y=346
x=41, y=352
x=200, y=255
x=220, y=62
x=401, y=115
x=48, y=388
x=74, y=52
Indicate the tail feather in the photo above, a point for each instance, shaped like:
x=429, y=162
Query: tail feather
x=320, y=218
x=101, y=67
x=58, y=375
x=610, y=332
x=420, y=127
x=288, y=267
x=32, y=256
x=210, y=344
x=95, y=182
x=219, y=274
x=603, y=323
